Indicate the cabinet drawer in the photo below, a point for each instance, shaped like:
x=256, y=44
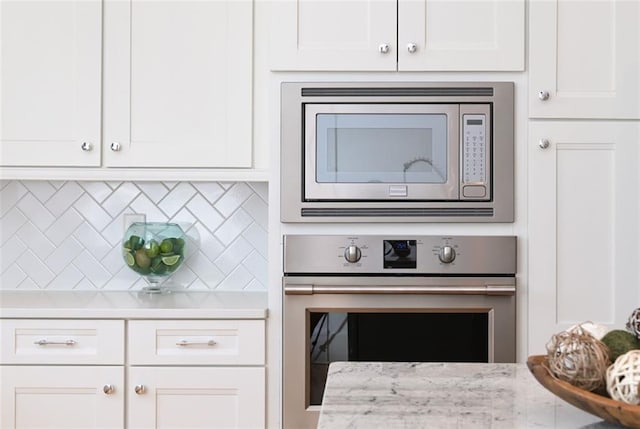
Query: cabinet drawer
x=44, y=341
x=196, y=342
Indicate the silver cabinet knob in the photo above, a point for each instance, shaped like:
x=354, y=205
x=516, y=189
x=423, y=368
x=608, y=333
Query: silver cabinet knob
x=543, y=143
x=352, y=254
x=383, y=48
x=139, y=389
x=447, y=254
x=543, y=95
x=108, y=389
x=115, y=146
x=412, y=47
x=86, y=146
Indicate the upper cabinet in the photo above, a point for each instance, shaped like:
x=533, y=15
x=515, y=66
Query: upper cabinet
x=584, y=58
x=389, y=35
x=175, y=78
x=178, y=83
x=50, y=82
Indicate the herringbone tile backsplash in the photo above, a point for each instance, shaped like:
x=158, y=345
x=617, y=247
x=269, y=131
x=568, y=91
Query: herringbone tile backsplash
x=67, y=235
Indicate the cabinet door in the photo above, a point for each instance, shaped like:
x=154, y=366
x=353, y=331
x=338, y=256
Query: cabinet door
x=61, y=397
x=585, y=56
x=333, y=35
x=50, y=83
x=583, y=226
x=461, y=35
x=178, y=83
x=196, y=397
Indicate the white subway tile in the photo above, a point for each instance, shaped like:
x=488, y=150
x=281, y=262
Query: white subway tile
x=64, y=254
x=62, y=200
x=233, y=227
x=258, y=210
x=92, y=212
x=262, y=189
x=237, y=280
x=36, y=212
x=176, y=199
x=155, y=191
x=10, y=251
x=33, y=267
x=92, y=269
x=204, y=269
x=233, y=198
x=10, y=195
x=35, y=240
x=209, y=245
x=92, y=241
x=40, y=189
x=12, y=221
x=142, y=204
x=64, y=226
x=99, y=191
x=229, y=259
x=205, y=213
x=258, y=238
x=211, y=191
x=122, y=197
x=12, y=277
x=67, y=279
x=257, y=266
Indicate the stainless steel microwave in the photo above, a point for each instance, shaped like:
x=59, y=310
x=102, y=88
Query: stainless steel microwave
x=405, y=152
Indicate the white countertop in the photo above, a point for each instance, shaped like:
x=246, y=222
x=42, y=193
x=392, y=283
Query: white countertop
x=444, y=395
x=133, y=305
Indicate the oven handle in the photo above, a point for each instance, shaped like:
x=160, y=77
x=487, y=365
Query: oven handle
x=310, y=289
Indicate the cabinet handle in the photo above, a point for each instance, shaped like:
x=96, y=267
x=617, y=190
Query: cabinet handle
x=139, y=389
x=543, y=143
x=115, y=146
x=86, y=146
x=55, y=343
x=383, y=48
x=412, y=47
x=108, y=389
x=543, y=95
x=184, y=343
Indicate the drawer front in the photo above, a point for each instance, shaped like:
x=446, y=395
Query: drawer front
x=196, y=342
x=46, y=341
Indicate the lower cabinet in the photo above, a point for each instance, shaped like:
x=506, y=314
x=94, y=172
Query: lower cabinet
x=72, y=373
x=70, y=397
x=205, y=397
x=583, y=225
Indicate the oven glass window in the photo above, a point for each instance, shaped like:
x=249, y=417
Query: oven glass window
x=393, y=337
x=385, y=148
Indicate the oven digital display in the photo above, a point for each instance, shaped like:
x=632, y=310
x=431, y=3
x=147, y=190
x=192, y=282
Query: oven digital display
x=400, y=254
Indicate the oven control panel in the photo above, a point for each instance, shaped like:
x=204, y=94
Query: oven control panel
x=377, y=254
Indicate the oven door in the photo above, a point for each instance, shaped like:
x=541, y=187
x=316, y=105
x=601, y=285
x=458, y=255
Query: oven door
x=380, y=152
x=410, y=319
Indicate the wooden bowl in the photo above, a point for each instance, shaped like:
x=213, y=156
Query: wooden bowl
x=598, y=405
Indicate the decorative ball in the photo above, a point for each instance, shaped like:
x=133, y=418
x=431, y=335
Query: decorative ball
x=620, y=342
x=578, y=358
x=623, y=378
x=633, y=325
x=598, y=331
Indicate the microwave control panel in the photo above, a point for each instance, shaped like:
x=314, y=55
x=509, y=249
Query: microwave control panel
x=474, y=149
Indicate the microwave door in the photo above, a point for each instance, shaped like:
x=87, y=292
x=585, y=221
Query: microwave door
x=377, y=152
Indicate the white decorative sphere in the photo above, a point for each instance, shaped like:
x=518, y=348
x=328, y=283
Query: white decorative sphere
x=596, y=330
x=623, y=378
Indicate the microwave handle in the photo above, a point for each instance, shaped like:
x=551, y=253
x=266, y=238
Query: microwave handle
x=480, y=289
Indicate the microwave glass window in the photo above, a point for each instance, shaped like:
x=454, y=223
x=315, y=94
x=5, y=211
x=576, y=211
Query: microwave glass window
x=381, y=148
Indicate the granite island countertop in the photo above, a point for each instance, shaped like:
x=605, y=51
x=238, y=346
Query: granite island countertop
x=179, y=304
x=365, y=395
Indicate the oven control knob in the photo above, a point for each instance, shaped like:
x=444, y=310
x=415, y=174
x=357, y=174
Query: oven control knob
x=447, y=254
x=352, y=254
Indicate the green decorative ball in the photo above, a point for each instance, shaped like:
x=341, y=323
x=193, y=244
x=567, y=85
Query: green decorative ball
x=620, y=342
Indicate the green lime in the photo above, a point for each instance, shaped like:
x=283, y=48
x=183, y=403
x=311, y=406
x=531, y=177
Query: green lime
x=166, y=246
x=152, y=249
x=142, y=260
x=159, y=269
x=129, y=259
x=178, y=245
x=126, y=245
x=135, y=242
x=170, y=260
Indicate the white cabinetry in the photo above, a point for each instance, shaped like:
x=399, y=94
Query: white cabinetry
x=375, y=35
x=179, y=373
x=176, y=83
x=584, y=59
x=583, y=225
x=225, y=396
x=62, y=374
x=50, y=82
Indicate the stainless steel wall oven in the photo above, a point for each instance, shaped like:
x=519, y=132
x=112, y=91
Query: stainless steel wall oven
x=380, y=152
x=390, y=298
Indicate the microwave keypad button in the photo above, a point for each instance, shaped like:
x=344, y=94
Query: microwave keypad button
x=397, y=190
x=474, y=191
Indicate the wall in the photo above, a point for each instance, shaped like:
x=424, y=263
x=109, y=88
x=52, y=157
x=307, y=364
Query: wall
x=67, y=235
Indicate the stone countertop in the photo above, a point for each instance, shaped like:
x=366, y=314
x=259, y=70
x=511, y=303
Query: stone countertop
x=443, y=395
x=179, y=304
